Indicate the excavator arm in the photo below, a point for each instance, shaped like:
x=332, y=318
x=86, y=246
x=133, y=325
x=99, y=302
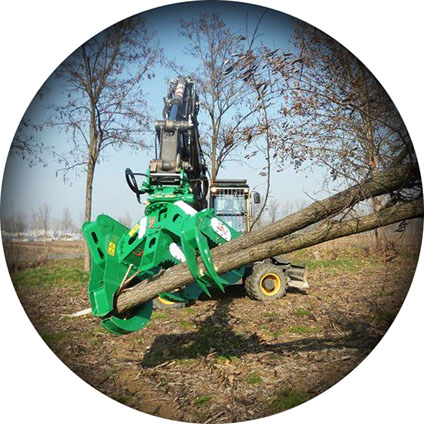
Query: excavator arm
x=176, y=227
x=179, y=142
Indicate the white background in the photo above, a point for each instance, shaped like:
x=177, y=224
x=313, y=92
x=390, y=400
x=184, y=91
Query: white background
x=37, y=35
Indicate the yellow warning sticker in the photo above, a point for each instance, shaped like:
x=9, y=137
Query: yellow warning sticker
x=111, y=249
x=134, y=230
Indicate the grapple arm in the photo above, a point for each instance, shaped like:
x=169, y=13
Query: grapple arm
x=172, y=233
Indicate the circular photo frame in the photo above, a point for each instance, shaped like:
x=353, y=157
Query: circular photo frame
x=212, y=212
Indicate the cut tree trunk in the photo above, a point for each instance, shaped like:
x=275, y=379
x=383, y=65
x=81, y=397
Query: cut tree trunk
x=179, y=276
x=383, y=182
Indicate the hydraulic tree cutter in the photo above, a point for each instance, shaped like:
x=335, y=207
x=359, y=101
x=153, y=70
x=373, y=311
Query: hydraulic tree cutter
x=177, y=226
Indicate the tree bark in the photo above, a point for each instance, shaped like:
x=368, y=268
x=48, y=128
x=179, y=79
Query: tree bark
x=383, y=182
x=92, y=160
x=88, y=208
x=224, y=260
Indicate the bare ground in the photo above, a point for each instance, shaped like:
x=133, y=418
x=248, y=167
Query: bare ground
x=228, y=358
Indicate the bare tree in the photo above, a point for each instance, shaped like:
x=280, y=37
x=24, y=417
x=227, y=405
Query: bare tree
x=258, y=215
x=66, y=221
x=34, y=223
x=20, y=223
x=104, y=105
x=15, y=223
x=300, y=204
x=44, y=218
x=321, y=106
x=332, y=111
x=249, y=68
x=225, y=98
x=8, y=224
x=273, y=210
x=26, y=142
x=287, y=207
x=126, y=219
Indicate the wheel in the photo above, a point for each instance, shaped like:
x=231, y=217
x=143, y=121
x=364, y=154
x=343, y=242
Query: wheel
x=266, y=282
x=160, y=303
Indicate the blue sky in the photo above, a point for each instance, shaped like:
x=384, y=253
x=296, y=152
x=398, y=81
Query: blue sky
x=25, y=188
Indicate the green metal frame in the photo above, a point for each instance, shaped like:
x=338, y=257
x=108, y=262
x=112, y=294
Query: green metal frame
x=122, y=257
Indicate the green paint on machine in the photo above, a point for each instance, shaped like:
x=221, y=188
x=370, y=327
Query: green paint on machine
x=171, y=232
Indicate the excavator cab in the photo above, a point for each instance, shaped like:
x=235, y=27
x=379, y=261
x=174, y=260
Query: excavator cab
x=232, y=202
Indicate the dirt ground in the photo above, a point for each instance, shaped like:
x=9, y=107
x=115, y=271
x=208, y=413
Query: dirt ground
x=228, y=358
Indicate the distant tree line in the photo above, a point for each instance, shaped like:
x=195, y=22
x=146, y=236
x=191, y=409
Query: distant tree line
x=42, y=222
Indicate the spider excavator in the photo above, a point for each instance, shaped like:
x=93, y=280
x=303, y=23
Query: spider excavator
x=178, y=226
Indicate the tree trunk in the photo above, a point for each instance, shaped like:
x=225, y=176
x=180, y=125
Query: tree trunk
x=278, y=238
x=88, y=208
x=180, y=276
x=376, y=206
x=383, y=182
x=92, y=159
x=213, y=156
x=371, y=150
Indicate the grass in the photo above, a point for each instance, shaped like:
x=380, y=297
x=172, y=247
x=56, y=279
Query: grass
x=53, y=338
x=124, y=399
x=410, y=254
x=200, y=347
x=385, y=317
x=95, y=335
x=274, y=334
x=160, y=315
x=300, y=329
x=188, y=311
x=269, y=330
x=224, y=347
x=387, y=293
x=152, y=359
x=254, y=378
x=205, y=341
x=58, y=273
x=287, y=399
x=302, y=313
x=202, y=400
x=271, y=315
x=183, y=362
x=187, y=324
x=349, y=264
x=224, y=358
x=112, y=371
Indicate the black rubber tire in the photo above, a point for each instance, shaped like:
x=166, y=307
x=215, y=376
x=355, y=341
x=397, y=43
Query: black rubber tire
x=254, y=280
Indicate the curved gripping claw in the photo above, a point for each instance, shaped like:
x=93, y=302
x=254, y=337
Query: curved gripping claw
x=171, y=233
x=196, y=235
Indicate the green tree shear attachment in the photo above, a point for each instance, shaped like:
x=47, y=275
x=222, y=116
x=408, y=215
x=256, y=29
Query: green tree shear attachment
x=172, y=232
